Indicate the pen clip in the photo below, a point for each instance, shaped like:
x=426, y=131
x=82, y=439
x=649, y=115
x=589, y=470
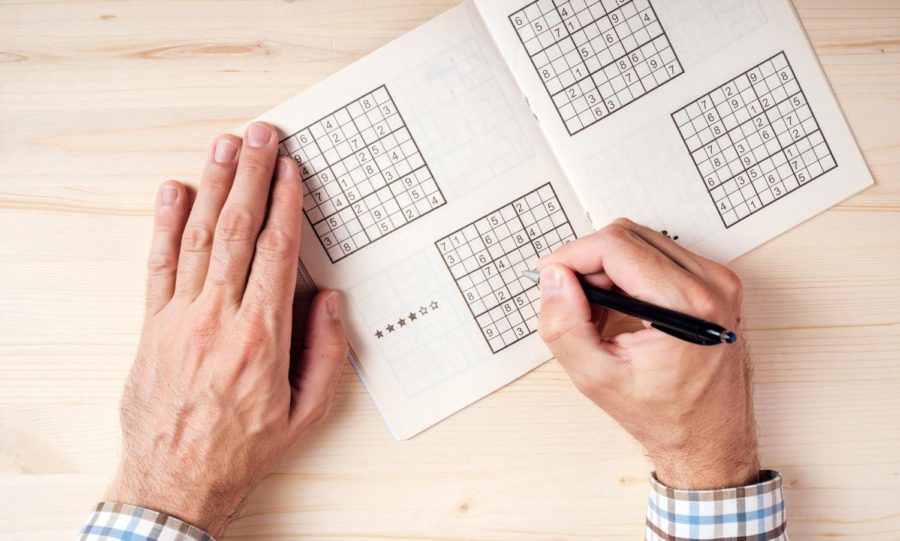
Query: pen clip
x=685, y=336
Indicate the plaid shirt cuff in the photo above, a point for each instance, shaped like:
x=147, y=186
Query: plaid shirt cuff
x=752, y=512
x=122, y=522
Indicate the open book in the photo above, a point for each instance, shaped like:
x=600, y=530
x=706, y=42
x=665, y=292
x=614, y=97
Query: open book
x=444, y=164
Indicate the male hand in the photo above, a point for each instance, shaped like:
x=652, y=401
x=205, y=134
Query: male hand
x=213, y=400
x=689, y=406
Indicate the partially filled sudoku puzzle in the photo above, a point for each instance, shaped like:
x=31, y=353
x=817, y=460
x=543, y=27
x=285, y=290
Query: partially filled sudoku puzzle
x=595, y=56
x=486, y=259
x=363, y=174
x=754, y=139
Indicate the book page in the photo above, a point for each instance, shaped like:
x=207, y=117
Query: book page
x=428, y=188
x=700, y=118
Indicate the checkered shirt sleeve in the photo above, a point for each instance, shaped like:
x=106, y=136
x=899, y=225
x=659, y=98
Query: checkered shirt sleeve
x=121, y=522
x=754, y=512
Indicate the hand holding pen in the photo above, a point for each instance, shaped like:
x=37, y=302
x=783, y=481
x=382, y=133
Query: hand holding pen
x=690, y=406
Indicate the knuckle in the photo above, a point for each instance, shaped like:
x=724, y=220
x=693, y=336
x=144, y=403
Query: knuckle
x=256, y=165
x=237, y=225
x=217, y=181
x=275, y=245
x=731, y=284
x=254, y=334
x=203, y=332
x=161, y=263
x=705, y=304
x=197, y=238
x=615, y=233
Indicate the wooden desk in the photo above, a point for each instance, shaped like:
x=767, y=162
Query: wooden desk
x=102, y=100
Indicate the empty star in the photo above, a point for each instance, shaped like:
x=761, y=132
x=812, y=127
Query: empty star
x=379, y=334
x=411, y=316
x=401, y=322
x=434, y=305
x=423, y=310
x=390, y=328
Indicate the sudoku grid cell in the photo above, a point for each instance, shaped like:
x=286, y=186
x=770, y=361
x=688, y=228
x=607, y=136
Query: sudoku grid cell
x=754, y=139
x=363, y=174
x=486, y=259
x=595, y=56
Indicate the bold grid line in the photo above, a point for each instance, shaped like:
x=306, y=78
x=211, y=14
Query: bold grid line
x=774, y=109
x=604, y=99
x=435, y=199
x=510, y=306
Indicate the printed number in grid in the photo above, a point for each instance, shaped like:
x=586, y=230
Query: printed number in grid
x=754, y=139
x=595, y=56
x=486, y=259
x=363, y=174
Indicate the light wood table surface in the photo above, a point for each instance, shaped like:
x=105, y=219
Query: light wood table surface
x=100, y=101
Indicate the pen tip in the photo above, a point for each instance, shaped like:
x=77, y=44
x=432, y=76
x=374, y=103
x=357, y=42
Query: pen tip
x=729, y=337
x=532, y=275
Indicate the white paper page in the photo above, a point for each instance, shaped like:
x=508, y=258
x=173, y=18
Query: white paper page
x=619, y=138
x=469, y=150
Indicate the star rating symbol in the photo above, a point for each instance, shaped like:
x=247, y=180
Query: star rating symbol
x=414, y=315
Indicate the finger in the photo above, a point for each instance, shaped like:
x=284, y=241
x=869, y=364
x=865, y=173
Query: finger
x=169, y=215
x=196, y=244
x=709, y=271
x=273, y=276
x=242, y=215
x=566, y=326
x=599, y=279
x=321, y=361
x=683, y=257
x=632, y=264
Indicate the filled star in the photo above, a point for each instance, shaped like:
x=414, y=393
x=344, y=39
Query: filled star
x=401, y=322
x=411, y=316
x=379, y=334
x=390, y=328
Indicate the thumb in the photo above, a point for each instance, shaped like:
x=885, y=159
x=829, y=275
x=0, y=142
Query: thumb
x=566, y=327
x=321, y=361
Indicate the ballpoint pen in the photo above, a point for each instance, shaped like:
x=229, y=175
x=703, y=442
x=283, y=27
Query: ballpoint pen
x=683, y=326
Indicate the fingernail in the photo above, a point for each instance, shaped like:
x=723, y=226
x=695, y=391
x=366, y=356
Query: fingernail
x=168, y=194
x=258, y=135
x=225, y=151
x=551, y=282
x=333, y=306
x=282, y=167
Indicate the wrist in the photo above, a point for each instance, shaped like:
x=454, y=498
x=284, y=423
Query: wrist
x=193, y=505
x=701, y=469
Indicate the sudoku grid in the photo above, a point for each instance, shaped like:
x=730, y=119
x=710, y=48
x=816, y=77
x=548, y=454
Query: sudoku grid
x=363, y=174
x=595, y=56
x=486, y=259
x=754, y=139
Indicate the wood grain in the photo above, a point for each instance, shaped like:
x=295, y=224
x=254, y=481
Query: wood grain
x=102, y=100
